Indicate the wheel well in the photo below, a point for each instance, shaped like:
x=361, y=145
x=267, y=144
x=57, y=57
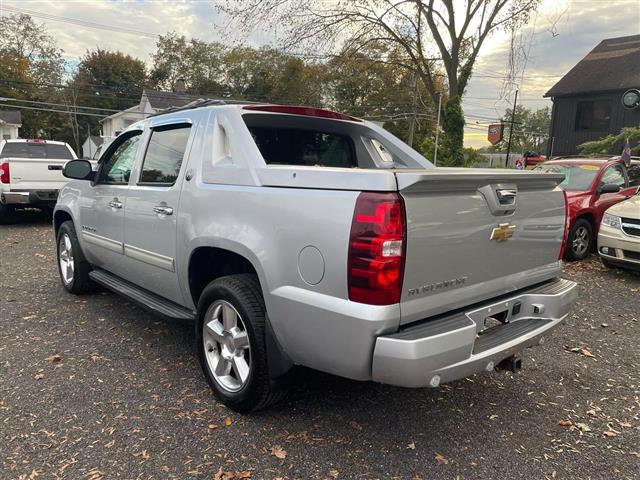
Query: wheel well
x=589, y=218
x=208, y=263
x=59, y=218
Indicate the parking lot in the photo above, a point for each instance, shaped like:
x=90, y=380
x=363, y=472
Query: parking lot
x=94, y=387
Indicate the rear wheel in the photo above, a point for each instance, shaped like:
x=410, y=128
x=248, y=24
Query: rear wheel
x=580, y=240
x=231, y=346
x=72, y=266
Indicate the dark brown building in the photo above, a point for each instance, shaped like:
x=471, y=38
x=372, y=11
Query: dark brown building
x=587, y=101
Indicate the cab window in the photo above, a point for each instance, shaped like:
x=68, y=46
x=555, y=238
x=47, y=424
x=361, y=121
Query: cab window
x=615, y=175
x=116, y=168
x=164, y=155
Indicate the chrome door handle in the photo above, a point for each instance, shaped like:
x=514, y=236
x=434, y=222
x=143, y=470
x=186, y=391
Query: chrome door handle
x=162, y=210
x=115, y=203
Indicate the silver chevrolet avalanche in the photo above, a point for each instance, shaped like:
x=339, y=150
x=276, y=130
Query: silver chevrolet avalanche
x=300, y=236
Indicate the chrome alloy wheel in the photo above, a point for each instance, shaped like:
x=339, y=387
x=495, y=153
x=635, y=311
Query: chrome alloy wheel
x=580, y=241
x=226, y=346
x=65, y=258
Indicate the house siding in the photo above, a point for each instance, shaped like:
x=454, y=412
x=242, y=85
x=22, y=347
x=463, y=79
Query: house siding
x=564, y=136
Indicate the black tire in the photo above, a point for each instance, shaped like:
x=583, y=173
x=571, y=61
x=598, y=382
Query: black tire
x=79, y=282
x=243, y=293
x=7, y=214
x=579, y=241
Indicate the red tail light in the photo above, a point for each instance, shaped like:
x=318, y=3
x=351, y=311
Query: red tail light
x=377, y=248
x=565, y=233
x=4, y=173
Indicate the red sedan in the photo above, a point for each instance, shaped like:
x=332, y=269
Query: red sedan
x=592, y=185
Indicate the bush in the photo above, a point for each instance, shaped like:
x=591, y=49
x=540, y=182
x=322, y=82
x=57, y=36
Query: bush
x=609, y=144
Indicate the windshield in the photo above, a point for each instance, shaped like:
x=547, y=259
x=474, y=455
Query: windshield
x=36, y=150
x=576, y=177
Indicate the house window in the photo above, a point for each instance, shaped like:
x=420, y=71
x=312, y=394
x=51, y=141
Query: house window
x=593, y=115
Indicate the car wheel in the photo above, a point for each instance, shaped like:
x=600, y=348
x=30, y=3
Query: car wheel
x=580, y=240
x=72, y=266
x=7, y=214
x=230, y=343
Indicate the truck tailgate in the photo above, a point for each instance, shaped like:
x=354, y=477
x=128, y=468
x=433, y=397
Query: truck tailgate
x=474, y=234
x=36, y=173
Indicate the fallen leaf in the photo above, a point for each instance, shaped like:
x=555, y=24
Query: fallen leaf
x=223, y=475
x=441, y=459
x=29, y=317
x=586, y=352
x=609, y=433
x=334, y=473
x=624, y=424
x=591, y=412
x=143, y=454
x=279, y=452
x=228, y=421
x=583, y=427
x=54, y=358
x=39, y=376
x=213, y=426
x=604, y=325
x=411, y=446
x=565, y=423
x=493, y=417
x=244, y=474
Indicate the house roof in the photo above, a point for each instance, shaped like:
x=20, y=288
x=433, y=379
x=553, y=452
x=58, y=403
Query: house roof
x=11, y=116
x=164, y=100
x=613, y=65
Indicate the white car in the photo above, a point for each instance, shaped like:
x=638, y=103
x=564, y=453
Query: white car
x=31, y=174
x=619, y=235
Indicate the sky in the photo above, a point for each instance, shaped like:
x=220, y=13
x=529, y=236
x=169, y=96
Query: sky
x=556, y=37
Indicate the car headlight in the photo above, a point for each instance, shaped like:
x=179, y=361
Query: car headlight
x=611, y=221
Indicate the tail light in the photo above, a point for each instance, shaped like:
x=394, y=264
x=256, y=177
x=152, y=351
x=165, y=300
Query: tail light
x=377, y=246
x=4, y=172
x=565, y=233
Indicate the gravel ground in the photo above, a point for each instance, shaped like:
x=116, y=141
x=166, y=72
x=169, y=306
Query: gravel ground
x=93, y=387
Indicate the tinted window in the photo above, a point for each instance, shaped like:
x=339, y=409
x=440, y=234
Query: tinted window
x=164, y=154
x=634, y=175
x=36, y=150
x=593, y=115
x=116, y=169
x=576, y=177
x=613, y=175
x=292, y=146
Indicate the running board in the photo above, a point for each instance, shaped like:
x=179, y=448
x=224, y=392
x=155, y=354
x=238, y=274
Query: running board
x=140, y=296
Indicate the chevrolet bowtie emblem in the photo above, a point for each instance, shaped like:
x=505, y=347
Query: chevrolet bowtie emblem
x=502, y=232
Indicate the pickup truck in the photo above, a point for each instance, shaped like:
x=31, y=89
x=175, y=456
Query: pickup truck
x=300, y=236
x=31, y=174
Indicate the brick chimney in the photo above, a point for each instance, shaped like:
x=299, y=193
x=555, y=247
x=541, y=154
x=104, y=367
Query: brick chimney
x=180, y=86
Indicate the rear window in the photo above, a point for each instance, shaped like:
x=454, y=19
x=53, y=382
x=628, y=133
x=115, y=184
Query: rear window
x=35, y=150
x=296, y=146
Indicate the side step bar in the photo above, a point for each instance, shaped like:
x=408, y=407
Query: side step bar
x=141, y=297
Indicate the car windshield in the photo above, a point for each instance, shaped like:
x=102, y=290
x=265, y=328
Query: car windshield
x=576, y=177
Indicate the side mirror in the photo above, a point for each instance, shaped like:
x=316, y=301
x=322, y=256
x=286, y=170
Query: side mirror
x=609, y=188
x=79, y=170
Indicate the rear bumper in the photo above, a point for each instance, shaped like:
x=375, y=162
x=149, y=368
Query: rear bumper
x=29, y=197
x=453, y=347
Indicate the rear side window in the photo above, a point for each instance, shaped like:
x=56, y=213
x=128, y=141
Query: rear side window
x=613, y=175
x=35, y=150
x=295, y=146
x=164, y=154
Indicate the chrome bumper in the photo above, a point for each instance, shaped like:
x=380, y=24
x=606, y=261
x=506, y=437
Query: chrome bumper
x=456, y=346
x=29, y=197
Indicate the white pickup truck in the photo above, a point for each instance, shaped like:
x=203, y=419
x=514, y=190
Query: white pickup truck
x=31, y=174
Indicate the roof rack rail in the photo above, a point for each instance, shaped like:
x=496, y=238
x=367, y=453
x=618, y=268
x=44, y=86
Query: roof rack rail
x=204, y=102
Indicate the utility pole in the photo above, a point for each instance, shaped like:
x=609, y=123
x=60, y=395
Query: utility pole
x=89, y=138
x=435, y=152
x=412, y=126
x=513, y=121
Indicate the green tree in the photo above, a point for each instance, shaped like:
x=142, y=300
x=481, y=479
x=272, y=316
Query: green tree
x=613, y=144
